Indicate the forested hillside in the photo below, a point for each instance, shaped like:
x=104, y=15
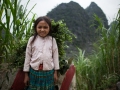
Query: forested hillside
x=79, y=21
x=92, y=9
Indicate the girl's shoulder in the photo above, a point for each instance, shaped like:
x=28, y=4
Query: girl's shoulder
x=31, y=38
x=49, y=37
x=53, y=39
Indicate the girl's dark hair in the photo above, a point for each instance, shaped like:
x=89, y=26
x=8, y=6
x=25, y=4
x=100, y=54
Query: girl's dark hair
x=42, y=18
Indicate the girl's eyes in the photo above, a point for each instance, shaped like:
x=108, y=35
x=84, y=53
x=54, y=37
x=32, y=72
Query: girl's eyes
x=45, y=27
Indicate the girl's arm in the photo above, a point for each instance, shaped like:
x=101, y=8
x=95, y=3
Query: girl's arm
x=27, y=62
x=26, y=79
x=55, y=59
x=28, y=55
x=55, y=76
x=55, y=55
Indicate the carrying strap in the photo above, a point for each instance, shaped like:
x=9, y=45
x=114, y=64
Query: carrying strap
x=52, y=46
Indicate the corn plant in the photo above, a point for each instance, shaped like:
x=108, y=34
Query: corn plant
x=109, y=46
x=82, y=66
x=102, y=69
x=14, y=27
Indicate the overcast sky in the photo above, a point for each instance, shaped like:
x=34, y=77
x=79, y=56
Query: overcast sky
x=109, y=7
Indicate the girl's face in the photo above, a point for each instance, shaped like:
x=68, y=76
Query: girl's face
x=42, y=28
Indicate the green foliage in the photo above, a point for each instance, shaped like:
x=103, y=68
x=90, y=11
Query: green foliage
x=14, y=27
x=18, y=56
x=102, y=69
x=82, y=65
x=62, y=35
x=109, y=81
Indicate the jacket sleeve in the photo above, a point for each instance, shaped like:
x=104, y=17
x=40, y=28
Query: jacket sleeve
x=28, y=55
x=55, y=55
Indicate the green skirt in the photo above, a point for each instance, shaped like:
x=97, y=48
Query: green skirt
x=41, y=80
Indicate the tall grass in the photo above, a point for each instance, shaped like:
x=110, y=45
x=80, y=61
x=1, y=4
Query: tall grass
x=102, y=69
x=14, y=27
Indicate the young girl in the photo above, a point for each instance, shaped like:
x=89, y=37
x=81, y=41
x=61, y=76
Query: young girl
x=41, y=60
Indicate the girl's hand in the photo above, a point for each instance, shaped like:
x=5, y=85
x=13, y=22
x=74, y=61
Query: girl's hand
x=26, y=79
x=55, y=76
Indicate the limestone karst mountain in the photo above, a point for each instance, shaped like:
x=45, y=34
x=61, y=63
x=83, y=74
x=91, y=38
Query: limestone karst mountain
x=78, y=20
